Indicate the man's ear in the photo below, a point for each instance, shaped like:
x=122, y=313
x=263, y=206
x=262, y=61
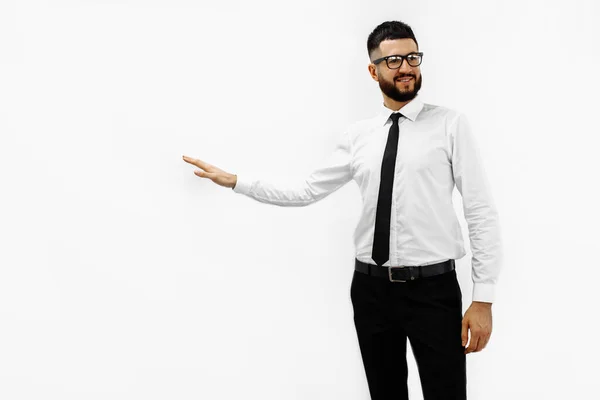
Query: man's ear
x=373, y=72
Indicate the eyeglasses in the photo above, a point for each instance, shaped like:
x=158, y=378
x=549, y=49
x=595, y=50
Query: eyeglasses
x=395, y=61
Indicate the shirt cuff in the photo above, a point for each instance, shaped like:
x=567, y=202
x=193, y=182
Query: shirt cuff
x=485, y=292
x=242, y=185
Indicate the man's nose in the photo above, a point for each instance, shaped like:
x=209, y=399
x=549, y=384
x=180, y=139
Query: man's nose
x=405, y=66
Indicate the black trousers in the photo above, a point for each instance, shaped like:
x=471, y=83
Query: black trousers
x=427, y=311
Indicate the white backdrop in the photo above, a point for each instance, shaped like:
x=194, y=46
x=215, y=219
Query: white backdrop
x=125, y=276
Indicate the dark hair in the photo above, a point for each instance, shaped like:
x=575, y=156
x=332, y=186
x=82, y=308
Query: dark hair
x=389, y=30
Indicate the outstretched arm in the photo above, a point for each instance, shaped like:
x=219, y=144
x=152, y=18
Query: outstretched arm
x=331, y=175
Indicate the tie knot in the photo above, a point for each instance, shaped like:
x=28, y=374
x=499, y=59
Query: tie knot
x=395, y=117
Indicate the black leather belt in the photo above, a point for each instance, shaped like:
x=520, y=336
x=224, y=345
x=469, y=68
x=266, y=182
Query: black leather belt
x=403, y=273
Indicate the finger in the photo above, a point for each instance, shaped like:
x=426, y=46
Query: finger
x=464, y=332
x=484, y=338
x=473, y=344
x=197, y=162
x=190, y=160
x=483, y=342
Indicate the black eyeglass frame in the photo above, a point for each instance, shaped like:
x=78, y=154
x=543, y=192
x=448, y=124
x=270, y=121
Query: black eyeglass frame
x=420, y=54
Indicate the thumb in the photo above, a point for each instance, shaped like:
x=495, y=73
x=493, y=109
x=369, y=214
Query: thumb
x=464, y=332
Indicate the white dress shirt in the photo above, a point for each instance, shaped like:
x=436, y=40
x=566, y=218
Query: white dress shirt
x=436, y=150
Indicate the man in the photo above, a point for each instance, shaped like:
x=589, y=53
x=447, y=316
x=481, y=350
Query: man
x=406, y=161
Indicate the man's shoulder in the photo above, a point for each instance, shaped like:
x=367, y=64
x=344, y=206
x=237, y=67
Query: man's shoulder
x=435, y=110
x=448, y=117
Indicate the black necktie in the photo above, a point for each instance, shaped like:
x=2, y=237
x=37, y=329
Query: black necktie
x=381, y=241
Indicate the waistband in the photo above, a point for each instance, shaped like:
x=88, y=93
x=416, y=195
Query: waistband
x=403, y=273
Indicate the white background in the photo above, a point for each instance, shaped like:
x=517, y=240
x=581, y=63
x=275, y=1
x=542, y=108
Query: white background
x=125, y=276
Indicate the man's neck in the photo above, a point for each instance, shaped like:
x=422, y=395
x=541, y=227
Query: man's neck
x=393, y=104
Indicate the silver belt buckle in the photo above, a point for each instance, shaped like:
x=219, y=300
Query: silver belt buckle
x=390, y=274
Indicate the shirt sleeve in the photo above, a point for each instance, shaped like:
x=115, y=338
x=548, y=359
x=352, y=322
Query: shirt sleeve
x=479, y=210
x=328, y=177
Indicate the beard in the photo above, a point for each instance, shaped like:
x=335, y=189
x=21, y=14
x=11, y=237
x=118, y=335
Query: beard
x=391, y=90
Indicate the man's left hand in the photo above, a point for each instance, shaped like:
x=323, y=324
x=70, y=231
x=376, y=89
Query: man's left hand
x=477, y=319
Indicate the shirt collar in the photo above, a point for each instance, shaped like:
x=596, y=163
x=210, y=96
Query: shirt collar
x=410, y=110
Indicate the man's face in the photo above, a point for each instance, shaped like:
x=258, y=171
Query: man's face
x=389, y=79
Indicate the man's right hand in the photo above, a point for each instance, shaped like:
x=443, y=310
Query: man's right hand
x=211, y=172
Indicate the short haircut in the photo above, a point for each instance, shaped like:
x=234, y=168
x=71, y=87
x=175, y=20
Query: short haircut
x=389, y=30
